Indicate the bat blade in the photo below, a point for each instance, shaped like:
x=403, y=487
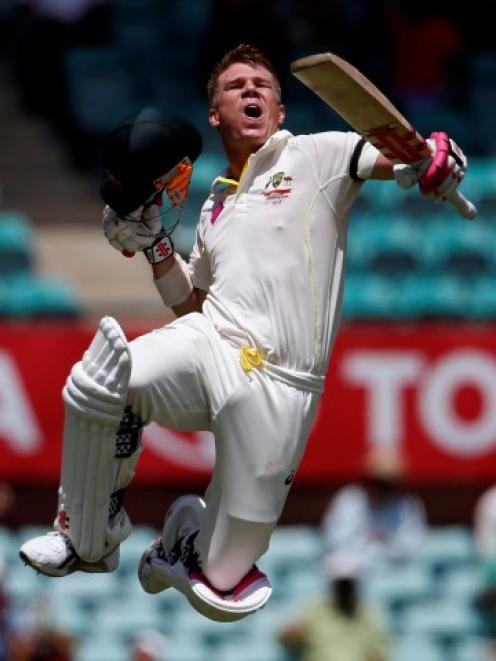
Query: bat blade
x=358, y=101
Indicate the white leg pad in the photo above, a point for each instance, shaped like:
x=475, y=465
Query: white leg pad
x=95, y=397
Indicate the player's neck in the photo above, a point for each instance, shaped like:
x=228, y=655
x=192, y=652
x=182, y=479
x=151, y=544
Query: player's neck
x=237, y=157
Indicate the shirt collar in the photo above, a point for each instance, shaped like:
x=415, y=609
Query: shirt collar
x=276, y=141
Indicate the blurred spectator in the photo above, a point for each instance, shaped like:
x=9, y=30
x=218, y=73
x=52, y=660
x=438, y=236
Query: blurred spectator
x=339, y=626
x=7, y=498
x=6, y=618
x=238, y=21
x=44, y=32
x=150, y=645
x=428, y=49
x=378, y=519
x=486, y=604
x=36, y=638
x=485, y=523
x=42, y=645
x=485, y=541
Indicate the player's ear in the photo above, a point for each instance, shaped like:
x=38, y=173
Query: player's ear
x=213, y=118
x=281, y=115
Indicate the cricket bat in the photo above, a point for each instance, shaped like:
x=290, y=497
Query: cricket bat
x=369, y=112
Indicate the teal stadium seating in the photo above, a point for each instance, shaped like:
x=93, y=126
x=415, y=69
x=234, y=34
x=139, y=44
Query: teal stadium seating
x=16, y=243
x=99, y=89
x=428, y=603
x=105, y=647
x=447, y=548
x=440, y=619
x=416, y=648
x=368, y=295
x=25, y=295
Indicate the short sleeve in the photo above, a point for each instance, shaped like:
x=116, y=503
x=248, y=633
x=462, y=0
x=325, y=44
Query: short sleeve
x=366, y=160
x=333, y=152
x=199, y=264
x=331, y=156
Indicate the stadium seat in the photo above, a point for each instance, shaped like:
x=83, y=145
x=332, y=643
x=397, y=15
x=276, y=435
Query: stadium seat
x=188, y=648
x=368, y=296
x=472, y=649
x=24, y=585
x=482, y=302
x=9, y=548
x=480, y=183
x=457, y=246
x=104, y=647
x=304, y=582
x=290, y=546
x=442, y=619
x=168, y=602
x=430, y=296
x=462, y=583
x=397, y=587
x=91, y=588
x=416, y=648
x=124, y=619
x=28, y=296
x=99, y=88
x=70, y=615
x=384, y=244
x=188, y=622
x=16, y=243
x=251, y=650
x=447, y=548
x=132, y=548
x=266, y=624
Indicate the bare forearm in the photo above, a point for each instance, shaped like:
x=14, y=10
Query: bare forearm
x=193, y=303
x=383, y=168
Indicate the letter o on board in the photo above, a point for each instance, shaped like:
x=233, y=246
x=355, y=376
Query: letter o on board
x=436, y=402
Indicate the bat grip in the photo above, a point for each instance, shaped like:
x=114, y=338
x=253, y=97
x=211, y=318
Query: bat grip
x=464, y=207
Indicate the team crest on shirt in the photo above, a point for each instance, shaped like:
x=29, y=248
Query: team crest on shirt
x=278, y=187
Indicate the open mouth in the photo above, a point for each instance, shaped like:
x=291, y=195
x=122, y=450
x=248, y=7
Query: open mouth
x=253, y=111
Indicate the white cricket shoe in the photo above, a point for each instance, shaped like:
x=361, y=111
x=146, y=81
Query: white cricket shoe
x=171, y=561
x=181, y=525
x=54, y=555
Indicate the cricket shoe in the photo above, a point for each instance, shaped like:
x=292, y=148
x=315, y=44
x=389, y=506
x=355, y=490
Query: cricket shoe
x=171, y=561
x=54, y=555
x=181, y=525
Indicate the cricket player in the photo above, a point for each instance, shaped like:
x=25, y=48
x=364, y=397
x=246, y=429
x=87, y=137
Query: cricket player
x=258, y=307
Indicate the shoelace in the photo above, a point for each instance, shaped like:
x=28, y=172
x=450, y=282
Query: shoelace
x=183, y=550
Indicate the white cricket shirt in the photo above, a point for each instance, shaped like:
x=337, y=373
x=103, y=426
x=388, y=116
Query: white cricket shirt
x=272, y=260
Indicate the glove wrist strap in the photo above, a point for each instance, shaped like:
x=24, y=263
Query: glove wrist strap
x=161, y=250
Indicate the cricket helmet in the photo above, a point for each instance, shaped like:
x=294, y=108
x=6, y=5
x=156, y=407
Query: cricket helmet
x=139, y=151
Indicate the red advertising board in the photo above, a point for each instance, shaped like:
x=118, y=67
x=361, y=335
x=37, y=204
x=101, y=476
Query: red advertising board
x=428, y=388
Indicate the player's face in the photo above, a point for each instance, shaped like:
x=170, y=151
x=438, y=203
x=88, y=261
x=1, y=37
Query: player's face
x=246, y=109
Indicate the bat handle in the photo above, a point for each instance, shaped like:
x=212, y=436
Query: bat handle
x=464, y=207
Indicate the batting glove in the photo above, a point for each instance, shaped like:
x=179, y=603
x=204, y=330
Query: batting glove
x=134, y=232
x=446, y=169
x=438, y=176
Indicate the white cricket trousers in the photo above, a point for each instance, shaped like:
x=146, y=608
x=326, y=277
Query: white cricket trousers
x=186, y=376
